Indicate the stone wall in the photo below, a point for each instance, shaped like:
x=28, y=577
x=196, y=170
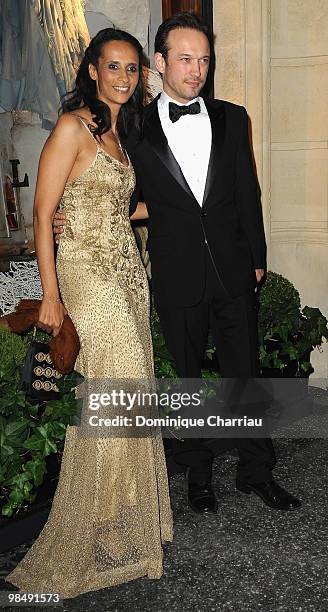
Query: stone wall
x=272, y=57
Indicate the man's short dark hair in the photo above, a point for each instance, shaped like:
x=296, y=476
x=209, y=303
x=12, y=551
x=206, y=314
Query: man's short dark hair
x=185, y=21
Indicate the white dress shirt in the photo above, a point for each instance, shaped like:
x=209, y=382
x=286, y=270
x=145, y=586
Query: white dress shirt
x=190, y=140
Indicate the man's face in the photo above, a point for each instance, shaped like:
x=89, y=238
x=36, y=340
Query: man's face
x=185, y=69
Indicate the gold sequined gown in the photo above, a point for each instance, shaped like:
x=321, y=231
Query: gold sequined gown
x=111, y=510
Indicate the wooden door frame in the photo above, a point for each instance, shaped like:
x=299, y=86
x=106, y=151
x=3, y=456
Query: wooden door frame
x=169, y=7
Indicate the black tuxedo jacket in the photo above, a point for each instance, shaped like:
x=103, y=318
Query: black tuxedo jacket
x=229, y=222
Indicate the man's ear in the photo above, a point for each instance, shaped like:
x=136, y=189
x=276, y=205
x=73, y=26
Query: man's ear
x=159, y=62
x=92, y=72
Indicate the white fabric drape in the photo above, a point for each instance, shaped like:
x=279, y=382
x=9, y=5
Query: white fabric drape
x=66, y=35
x=124, y=14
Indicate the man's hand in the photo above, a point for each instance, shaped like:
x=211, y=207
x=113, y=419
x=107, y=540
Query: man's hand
x=58, y=224
x=259, y=274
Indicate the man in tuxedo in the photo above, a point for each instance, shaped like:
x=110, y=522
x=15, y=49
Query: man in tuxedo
x=206, y=242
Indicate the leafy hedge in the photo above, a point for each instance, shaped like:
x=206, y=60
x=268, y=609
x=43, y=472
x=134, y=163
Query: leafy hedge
x=29, y=431
x=287, y=333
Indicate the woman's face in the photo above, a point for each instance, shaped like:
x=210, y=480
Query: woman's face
x=117, y=73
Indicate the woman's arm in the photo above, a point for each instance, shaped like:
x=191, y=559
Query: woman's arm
x=56, y=162
x=141, y=212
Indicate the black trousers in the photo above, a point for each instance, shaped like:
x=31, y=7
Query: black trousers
x=233, y=325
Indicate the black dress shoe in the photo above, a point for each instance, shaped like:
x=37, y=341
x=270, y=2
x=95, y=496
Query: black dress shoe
x=201, y=498
x=271, y=493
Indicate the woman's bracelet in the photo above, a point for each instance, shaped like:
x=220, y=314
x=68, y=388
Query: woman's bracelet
x=51, y=299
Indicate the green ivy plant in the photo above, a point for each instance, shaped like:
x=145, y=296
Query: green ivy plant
x=163, y=362
x=29, y=431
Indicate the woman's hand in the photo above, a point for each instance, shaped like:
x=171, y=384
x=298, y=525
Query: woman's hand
x=51, y=316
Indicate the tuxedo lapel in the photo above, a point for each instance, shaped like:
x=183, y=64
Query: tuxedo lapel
x=153, y=133
x=216, y=114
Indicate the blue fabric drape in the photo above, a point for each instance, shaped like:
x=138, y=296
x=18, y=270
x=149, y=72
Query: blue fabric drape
x=30, y=79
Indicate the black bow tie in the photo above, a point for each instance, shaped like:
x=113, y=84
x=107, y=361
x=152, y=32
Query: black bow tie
x=176, y=111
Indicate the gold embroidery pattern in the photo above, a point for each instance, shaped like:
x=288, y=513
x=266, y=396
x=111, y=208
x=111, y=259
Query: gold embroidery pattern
x=106, y=248
x=47, y=372
x=43, y=357
x=44, y=385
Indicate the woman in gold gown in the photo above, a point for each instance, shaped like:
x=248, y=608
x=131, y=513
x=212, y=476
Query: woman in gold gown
x=111, y=511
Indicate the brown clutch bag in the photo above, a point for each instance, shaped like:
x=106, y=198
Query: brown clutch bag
x=63, y=349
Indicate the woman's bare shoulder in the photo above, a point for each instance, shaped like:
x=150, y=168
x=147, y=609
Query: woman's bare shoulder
x=69, y=124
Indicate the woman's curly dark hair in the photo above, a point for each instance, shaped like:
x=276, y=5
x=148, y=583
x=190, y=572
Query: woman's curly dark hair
x=85, y=92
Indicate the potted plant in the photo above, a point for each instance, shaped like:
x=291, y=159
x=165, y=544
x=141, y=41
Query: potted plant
x=287, y=333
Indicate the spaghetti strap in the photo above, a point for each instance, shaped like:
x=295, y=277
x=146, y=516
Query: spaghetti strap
x=88, y=130
x=99, y=148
